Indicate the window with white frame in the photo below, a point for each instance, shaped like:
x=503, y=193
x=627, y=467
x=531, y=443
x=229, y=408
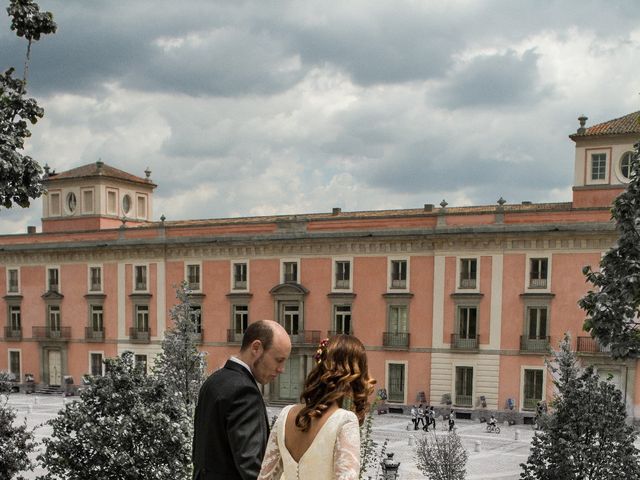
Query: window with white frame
x=195, y=314
x=398, y=274
x=398, y=318
x=537, y=322
x=53, y=279
x=342, y=319
x=54, y=204
x=342, y=274
x=54, y=318
x=142, y=318
x=71, y=203
x=533, y=388
x=15, y=363
x=396, y=380
x=96, y=364
x=112, y=202
x=468, y=273
x=291, y=318
x=13, y=280
x=598, y=166
x=15, y=318
x=141, y=362
x=538, y=272
x=625, y=165
x=142, y=206
x=140, y=277
x=87, y=201
x=97, y=318
x=240, y=320
x=467, y=322
x=193, y=276
x=240, y=275
x=464, y=387
x=290, y=272
x=95, y=279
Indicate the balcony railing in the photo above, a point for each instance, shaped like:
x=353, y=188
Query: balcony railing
x=530, y=403
x=464, y=401
x=93, y=334
x=395, y=339
x=306, y=337
x=12, y=334
x=194, y=286
x=333, y=333
x=591, y=345
x=234, y=336
x=140, y=336
x=538, y=283
x=468, y=283
x=396, y=283
x=342, y=283
x=197, y=336
x=62, y=333
x=141, y=286
x=534, y=344
x=460, y=342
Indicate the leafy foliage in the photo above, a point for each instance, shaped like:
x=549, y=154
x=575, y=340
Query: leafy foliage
x=613, y=305
x=20, y=173
x=127, y=426
x=441, y=457
x=586, y=435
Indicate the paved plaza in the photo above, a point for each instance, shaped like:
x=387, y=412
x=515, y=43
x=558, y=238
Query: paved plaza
x=498, y=457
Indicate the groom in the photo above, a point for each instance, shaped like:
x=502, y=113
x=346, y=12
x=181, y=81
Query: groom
x=231, y=423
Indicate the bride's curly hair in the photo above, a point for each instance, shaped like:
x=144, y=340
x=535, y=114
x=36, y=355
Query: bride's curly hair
x=340, y=373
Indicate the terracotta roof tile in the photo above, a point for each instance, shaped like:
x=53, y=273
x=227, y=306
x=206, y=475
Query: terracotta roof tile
x=619, y=126
x=98, y=169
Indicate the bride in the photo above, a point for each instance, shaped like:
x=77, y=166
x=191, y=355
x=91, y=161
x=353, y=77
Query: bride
x=318, y=439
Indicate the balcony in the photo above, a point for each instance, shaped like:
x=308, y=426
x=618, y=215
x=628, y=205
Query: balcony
x=395, y=340
x=194, y=286
x=342, y=284
x=234, y=336
x=12, y=334
x=463, y=401
x=240, y=285
x=398, y=283
x=94, y=335
x=534, y=344
x=538, y=283
x=591, y=345
x=62, y=334
x=460, y=342
x=306, y=337
x=139, y=336
x=530, y=403
x=468, y=283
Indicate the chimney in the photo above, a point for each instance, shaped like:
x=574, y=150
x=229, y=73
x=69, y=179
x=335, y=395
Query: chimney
x=428, y=207
x=582, y=119
x=31, y=230
x=336, y=211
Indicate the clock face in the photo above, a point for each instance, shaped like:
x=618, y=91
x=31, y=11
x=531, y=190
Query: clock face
x=71, y=202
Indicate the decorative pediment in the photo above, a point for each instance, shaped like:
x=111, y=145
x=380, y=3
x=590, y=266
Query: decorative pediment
x=288, y=288
x=51, y=295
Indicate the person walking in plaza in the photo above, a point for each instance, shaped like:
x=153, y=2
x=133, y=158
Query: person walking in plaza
x=414, y=416
x=319, y=439
x=421, y=417
x=231, y=426
x=452, y=422
x=432, y=417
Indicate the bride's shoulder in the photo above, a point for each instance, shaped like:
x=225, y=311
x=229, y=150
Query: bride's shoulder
x=347, y=415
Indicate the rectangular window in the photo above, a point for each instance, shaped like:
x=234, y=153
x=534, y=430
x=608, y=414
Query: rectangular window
x=343, y=274
x=290, y=272
x=141, y=360
x=193, y=276
x=13, y=280
x=598, y=166
x=538, y=272
x=398, y=274
x=396, y=382
x=53, y=280
x=97, y=321
x=95, y=279
x=112, y=202
x=532, y=388
x=342, y=320
x=537, y=323
x=467, y=322
x=142, y=318
x=142, y=206
x=96, y=364
x=140, y=277
x=291, y=319
x=240, y=318
x=54, y=204
x=398, y=318
x=240, y=276
x=15, y=318
x=54, y=318
x=195, y=314
x=14, y=363
x=468, y=272
x=464, y=386
x=87, y=201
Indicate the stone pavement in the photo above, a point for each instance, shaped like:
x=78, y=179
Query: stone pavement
x=499, y=456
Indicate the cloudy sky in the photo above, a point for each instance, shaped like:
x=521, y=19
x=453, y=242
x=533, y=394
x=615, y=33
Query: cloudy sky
x=265, y=107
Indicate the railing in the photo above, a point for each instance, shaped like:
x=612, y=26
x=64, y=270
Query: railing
x=591, y=345
x=95, y=287
x=460, y=342
x=308, y=337
x=398, y=284
x=342, y=284
x=62, y=333
x=333, y=333
x=240, y=285
x=290, y=278
x=54, y=287
x=538, y=283
x=11, y=333
x=534, y=344
x=197, y=336
x=137, y=335
x=141, y=286
x=464, y=400
x=93, y=335
x=194, y=285
x=530, y=403
x=395, y=339
x=468, y=283
x=234, y=336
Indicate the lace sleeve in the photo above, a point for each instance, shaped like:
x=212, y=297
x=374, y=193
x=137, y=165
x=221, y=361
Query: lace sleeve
x=272, y=463
x=346, y=454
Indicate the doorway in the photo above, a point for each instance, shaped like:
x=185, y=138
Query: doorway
x=55, y=367
x=289, y=388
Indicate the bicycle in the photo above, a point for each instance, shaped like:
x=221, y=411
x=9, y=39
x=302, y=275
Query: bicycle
x=491, y=428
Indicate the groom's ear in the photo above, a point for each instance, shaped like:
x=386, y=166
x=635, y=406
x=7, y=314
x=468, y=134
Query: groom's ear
x=256, y=348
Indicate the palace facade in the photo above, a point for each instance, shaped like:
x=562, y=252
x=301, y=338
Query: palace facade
x=456, y=305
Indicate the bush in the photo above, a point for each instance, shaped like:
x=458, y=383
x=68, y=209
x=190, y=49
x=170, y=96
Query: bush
x=16, y=442
x=441, y=457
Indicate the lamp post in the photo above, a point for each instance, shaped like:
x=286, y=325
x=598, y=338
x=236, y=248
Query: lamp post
x=390, y=468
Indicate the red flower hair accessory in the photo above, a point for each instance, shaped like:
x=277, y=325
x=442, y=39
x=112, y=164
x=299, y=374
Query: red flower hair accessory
x=321, y=351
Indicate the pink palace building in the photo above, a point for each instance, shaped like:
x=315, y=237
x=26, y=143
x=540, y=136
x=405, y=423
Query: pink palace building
x=457, y=306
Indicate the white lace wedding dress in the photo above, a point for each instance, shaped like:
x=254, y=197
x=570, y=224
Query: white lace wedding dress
x=334, y=453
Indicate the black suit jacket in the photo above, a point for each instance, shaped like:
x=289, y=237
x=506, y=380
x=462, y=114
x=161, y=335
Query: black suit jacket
x=231, y=426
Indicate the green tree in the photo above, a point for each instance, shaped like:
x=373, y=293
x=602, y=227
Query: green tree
x=20, y=173
x=585, y=436
x=612, y=306
x=127, y=427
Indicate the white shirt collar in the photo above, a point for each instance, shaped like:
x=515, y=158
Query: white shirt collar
x=240, y=362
